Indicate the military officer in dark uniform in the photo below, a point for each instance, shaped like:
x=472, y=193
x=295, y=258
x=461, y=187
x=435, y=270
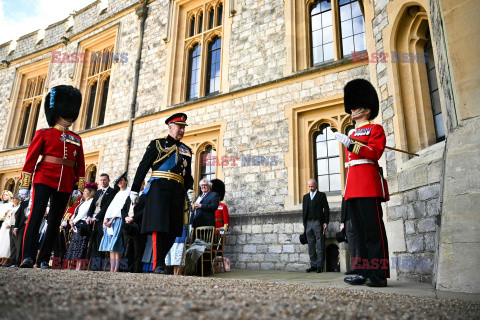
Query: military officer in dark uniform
x=61, y=168
x=170, y=161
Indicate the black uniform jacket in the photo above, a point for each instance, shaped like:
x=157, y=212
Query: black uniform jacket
x=164, y=205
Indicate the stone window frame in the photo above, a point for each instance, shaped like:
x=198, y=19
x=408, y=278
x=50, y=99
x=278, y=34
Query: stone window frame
x=8, y=174
x=18, y=102
x=413, y=118
x=198, y=139
x=202, y=39
x=104, y=41
x=298, y=34
x=181, y=43
x=304, y=120
x=91, y=168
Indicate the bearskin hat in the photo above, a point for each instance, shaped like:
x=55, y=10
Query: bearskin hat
x=360, y=93
x=62, y=101
x=218, y=187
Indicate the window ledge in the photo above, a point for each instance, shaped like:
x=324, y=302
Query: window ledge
x=426, y=155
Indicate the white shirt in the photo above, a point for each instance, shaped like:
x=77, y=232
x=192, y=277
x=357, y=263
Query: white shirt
x=82, y=210
x=312, y=194
x=115, y=208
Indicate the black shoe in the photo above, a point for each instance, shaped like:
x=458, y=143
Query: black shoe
x=27, y=263
x=319, y=270
x=356, y=281
x=8, y=264
x=311, y=269
x=44, y=265
x=376, y=282
x=350, y=272
x=160, y=270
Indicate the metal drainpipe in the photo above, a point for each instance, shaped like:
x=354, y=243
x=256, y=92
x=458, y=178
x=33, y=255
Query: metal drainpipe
x=142, y=13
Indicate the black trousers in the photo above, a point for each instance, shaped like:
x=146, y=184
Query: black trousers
x=367, y=220
x=136, y=242
x=13, y=247
x=19, y=245
x=58, y=202
x=94, y=241
x=162, y=242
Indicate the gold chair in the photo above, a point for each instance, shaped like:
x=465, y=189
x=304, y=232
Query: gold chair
x=219, y=242
x=206, y=234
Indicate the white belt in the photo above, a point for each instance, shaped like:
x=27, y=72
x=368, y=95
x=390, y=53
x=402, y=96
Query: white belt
x=357, y=162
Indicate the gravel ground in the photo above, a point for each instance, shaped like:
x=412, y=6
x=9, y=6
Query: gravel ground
x=69, y=294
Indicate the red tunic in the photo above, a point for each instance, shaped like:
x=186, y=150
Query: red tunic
x=221, y=216
x=364, y=180
x=54, y=142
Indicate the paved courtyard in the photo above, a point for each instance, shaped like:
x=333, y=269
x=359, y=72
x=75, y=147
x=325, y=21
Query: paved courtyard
x=240, y=294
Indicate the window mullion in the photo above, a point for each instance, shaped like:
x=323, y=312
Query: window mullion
x=337, y=37
x=203, y=68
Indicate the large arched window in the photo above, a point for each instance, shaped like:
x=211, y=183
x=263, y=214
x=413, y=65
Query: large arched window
x=31, y=104
x=10, y=186
x=352, y=27
x=327, y=160
x=91, y=173
x=193, y=78
x=208, y=163
x=417, y=105
x=213, y=66
x=98, y=74
x=321, y=32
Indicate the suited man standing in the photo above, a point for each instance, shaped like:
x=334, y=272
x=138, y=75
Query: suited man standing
x=96, y=213
x=205, y=206
x=316, y=214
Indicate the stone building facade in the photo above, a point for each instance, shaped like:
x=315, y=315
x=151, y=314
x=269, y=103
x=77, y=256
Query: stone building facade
x=271, y=98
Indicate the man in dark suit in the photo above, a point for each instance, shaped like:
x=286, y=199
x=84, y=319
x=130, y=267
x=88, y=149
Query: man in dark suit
x=205, y=206
x=96, y=213
x=316, y=214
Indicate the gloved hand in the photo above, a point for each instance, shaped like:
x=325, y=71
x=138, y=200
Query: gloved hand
x=25, y=193
x=343, y=139
x=134, y=197
x=64, y=224
x=190, y=194
x=76, y=193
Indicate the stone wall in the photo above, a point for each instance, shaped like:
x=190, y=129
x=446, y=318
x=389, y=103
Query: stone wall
x=257, y=43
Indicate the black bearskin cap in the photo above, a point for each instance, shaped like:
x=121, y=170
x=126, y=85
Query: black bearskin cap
x=218, y=187
x=62, y=101
x=360, y=93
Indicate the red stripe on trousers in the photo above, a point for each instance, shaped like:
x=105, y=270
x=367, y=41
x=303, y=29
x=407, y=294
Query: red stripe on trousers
x=381, y=232
x=154, y=243
x=32, y=196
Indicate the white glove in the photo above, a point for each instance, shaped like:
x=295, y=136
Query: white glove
x=64, y=224
x=134, y=197
x=190, y=194
x=25, y=193
x=343, y=139
x=76, y=193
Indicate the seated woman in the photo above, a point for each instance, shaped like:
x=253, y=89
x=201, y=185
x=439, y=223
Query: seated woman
x=112, y=236
x=77, y=250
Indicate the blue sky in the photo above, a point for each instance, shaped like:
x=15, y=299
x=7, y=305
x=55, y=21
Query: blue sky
x=19, y=17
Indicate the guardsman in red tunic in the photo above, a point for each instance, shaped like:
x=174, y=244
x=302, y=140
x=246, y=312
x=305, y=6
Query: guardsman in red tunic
x=365, y=187
x=60, y=169
x=222, y=218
